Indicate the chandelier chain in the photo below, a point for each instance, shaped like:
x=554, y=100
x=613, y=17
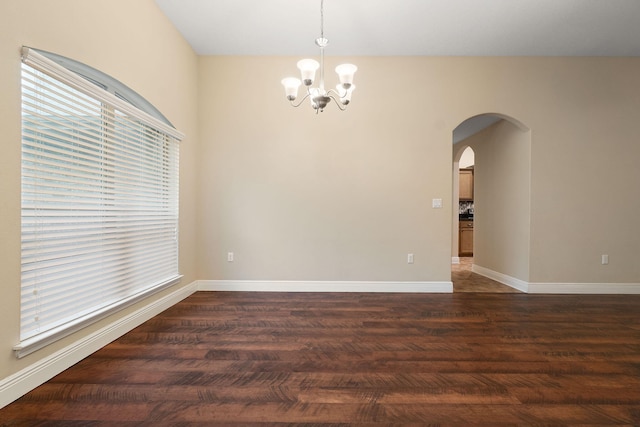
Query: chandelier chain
x=322, y=19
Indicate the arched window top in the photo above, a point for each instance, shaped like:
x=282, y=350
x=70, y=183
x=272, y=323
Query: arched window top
x=106, y=82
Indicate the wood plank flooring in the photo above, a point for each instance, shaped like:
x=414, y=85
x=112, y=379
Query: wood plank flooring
x=358, y=359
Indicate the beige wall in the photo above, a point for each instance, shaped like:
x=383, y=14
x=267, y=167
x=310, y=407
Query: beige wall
x=467, y=160
x=341, y=196
x=345, y=196
x=334, y=196
x=134, y=43
x=502, y=199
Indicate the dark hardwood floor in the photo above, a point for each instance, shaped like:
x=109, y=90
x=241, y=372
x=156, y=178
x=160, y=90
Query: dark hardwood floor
x=358, y=359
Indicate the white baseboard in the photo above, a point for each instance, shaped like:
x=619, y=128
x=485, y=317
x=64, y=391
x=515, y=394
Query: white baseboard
x=455, y=260
x=585, y=288
x=20, y=383
x=560, y=288
x=518, y=284
x=323, y=286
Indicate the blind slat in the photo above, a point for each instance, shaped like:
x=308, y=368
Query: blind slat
x=99, y=202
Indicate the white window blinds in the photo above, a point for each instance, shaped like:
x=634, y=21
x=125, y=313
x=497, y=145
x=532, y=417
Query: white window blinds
x=99, y=203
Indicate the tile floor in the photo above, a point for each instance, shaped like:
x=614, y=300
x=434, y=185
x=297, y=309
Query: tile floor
x=464, y=280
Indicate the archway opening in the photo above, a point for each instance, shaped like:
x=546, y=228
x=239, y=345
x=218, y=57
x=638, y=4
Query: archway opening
x=491, y=225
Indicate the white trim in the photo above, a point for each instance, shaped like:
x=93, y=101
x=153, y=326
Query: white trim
x=455, y=260
x=518, y=284
x=42, y=340
x=322, y=286
x=20, y=383
x=559, y=288
x=106, y=82
x=585, y=288
x=33, y=58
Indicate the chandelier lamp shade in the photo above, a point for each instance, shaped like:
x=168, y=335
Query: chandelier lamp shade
x=319, y=96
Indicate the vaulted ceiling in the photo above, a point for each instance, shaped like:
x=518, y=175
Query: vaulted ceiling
x=410, y=27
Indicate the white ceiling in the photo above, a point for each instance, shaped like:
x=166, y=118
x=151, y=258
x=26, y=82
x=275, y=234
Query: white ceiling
x=410, y=27
x=473, y=125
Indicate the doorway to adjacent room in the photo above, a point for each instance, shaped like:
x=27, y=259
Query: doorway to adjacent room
x=465, y=280
x=491, y=204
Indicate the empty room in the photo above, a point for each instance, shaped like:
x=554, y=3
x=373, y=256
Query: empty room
x=243, y=212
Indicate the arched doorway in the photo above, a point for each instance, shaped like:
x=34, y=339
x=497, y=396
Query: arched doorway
x=501, y=197
x=463, y=206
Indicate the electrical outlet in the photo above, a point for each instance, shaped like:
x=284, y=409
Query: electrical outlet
x=409, y=258
x=230, y=256
x=605, y=259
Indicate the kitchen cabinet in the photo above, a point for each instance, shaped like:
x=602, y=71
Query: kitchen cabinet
x=466, y=184
x=465, y=238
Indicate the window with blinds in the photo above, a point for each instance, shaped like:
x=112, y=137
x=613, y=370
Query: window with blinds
x=99, y=203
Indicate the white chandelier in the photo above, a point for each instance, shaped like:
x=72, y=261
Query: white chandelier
x=319, y=96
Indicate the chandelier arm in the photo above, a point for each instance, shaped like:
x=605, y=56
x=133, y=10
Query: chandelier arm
x=330, y=91
x=301, y=101
x=338, y=103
